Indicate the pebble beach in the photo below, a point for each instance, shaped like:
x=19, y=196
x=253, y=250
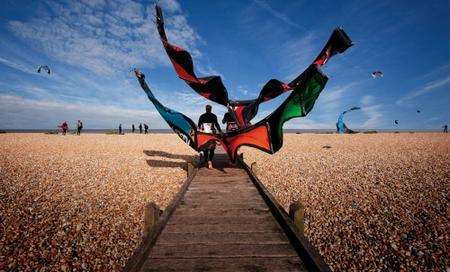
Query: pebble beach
x=76, y=203
x=372, y=202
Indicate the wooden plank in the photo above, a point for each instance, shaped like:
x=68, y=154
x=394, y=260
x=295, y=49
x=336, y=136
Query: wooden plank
x=211, y=198
x=204, y=238
x=215, y=220
x=225, y=264
x=228, y=176
x=221, y=189
x=223, y=194
x=215, y=206
x=220, y=198
x=223, y=250
x=225, y=187
x=222, y=212
x=269, y=226
x=220, y=180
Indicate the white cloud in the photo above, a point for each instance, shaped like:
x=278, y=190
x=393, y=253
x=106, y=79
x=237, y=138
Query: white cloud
x=275, y=13
x=427, y=88
x=297, y=55
x=18, y=112
x=104, y=38
x=17, y=66
x=372, y=111
x=169, y=5
x=330, y=99
x=308, y=123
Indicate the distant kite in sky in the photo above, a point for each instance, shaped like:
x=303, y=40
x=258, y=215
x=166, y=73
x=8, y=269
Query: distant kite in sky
x=43, y=67
x=340, y=125
x=396, y=122
x=418, y=111
x=377, y=74
x=267, y=134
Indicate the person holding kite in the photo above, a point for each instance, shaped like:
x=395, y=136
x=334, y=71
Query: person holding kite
x=208, y=123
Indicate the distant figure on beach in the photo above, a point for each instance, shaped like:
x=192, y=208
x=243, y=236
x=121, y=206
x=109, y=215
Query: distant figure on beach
x=140, y=128
x=64, y=127
x=145, y=128
x=79, y=127
x=132, y=128
x=445, y=128
x=208, y=123
x=229, y=120
x=120, y=128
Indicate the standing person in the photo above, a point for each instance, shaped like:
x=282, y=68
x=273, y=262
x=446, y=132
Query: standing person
x=79, y=127
x=132, y=128
x=208, y=123
x=140, y=128
x=64, y=127
x=146, y=128
x=120, y=128
x=445, y=128
x=229, y=120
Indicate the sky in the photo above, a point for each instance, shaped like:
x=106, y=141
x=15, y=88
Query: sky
x=92, y=45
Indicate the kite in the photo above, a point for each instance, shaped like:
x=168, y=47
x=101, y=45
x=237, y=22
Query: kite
x=212, y=87
x=418, y=111
x=43, y=67
x=178, y=122
x=267, y=134
x=377, y=74
x=340, y=125
x=396, y=122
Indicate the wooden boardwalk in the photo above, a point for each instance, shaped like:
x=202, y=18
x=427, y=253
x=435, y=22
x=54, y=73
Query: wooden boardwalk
x=224, y=220
x=222, y=224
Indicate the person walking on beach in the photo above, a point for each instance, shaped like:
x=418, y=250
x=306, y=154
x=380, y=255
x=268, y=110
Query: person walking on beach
x=120, y=128
x=140, y=128
x=231, y=124
x=445, y=128
x=132, y=128
x=208, y=123
x=64, y=127
x=79, y=127
x=145, y=128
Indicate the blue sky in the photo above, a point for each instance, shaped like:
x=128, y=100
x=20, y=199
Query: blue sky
x=92, y=45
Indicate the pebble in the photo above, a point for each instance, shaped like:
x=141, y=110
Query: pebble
x=91, y=189
x=368, y=192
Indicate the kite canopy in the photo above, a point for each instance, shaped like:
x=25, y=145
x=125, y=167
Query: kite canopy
x=396, y=122
x=340, y=125
x=212, y=87
x=267, y=134
x=377, y=74
x=43, y=67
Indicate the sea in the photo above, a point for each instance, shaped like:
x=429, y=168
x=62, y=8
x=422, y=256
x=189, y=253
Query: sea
x=167, y=131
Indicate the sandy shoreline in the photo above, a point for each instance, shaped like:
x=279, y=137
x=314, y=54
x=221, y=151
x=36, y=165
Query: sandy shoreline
x=372, y=201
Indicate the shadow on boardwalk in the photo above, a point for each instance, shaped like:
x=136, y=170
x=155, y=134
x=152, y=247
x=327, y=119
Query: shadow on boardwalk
x=169, y=164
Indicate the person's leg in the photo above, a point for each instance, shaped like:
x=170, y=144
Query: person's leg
x=211, y=154
x=206, y=156
x=210, y=157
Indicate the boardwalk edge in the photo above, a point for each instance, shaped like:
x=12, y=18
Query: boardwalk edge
x=136, y=260
x=307, y=253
